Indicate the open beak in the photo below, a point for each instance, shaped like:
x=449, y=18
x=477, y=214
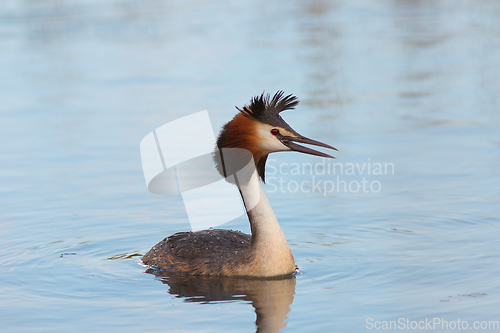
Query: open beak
x=289, y=141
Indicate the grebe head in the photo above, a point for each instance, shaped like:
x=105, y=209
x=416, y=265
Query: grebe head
x=259, y=128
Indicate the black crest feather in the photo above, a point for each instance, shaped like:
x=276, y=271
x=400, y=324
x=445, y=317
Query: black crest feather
x=265, y=109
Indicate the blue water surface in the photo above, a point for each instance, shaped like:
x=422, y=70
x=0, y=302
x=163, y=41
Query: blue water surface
x=410, y=86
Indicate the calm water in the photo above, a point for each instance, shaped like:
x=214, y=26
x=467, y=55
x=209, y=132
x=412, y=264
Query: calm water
x=412, y=85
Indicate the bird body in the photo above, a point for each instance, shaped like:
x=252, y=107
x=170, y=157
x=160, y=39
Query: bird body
x=260, y=130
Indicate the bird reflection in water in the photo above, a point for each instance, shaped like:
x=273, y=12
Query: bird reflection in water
x=271, y=297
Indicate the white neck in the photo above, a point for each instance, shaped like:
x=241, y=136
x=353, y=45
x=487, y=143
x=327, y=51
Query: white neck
x=268, y=241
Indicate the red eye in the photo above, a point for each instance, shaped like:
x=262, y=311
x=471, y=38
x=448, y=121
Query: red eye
x=275, y=131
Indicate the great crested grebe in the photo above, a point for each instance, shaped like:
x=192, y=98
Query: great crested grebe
x=259, y=129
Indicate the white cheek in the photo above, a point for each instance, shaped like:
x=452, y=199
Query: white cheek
x=269, y=143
